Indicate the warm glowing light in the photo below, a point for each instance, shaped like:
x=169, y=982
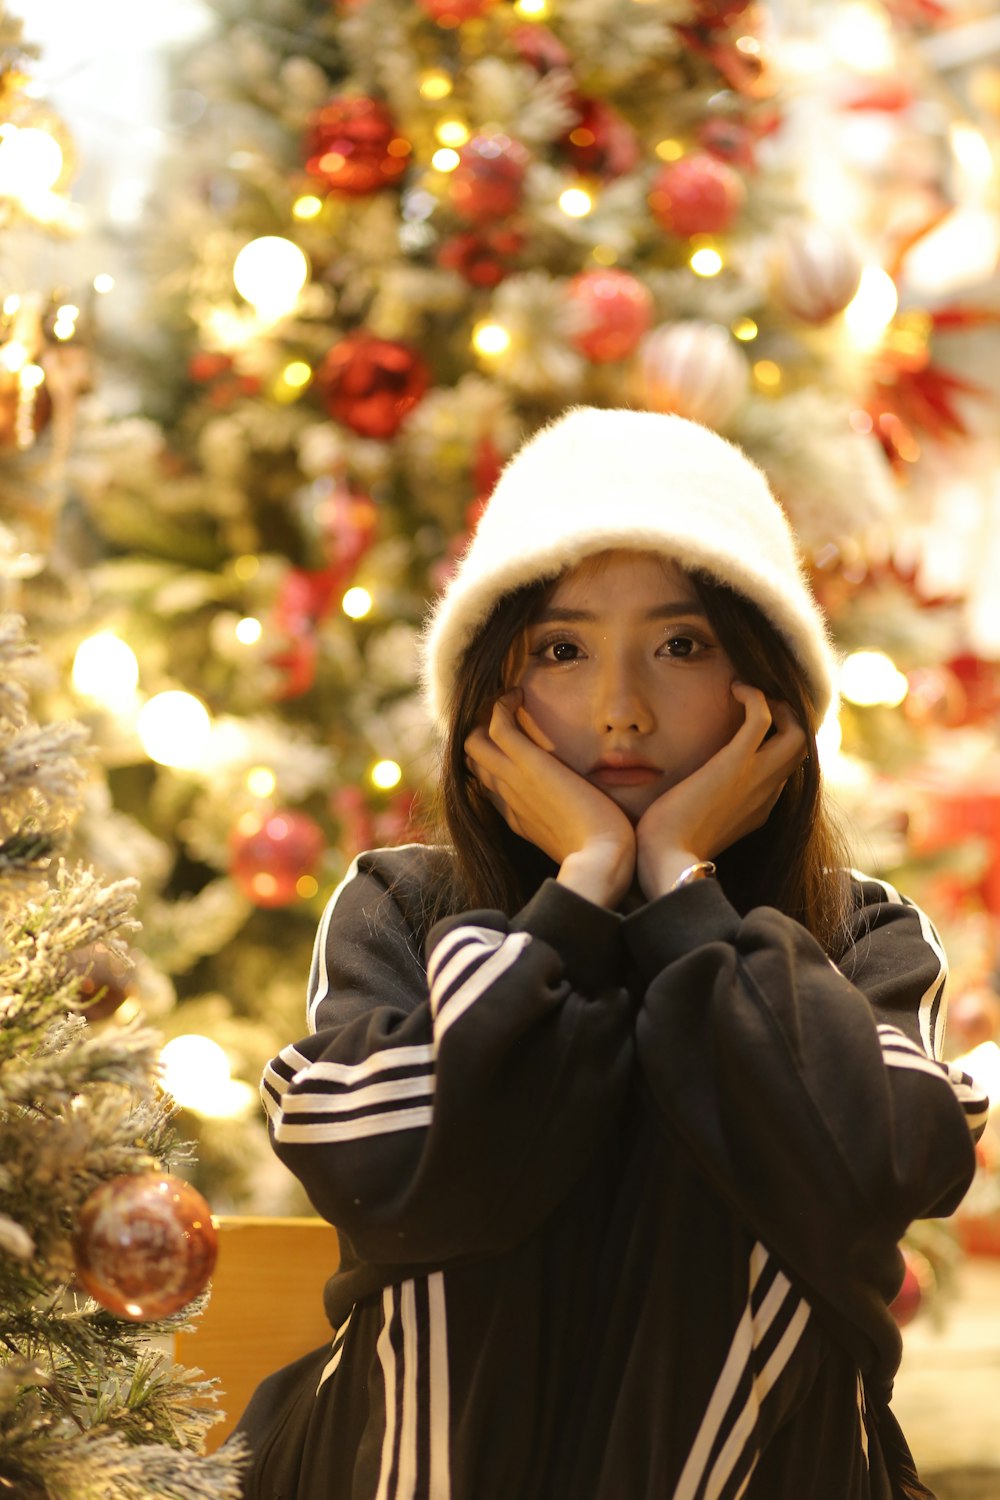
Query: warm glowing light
x=196, y=1073
x=605, y=255
x=246, y=566
x=576, y=203
x=306, y=886
x=307, y=207
x=767, y=374
x=297, y=374
x=357, y=603
x=972, y=152
x=452, y=133
x=532, y=10
x=868, y=678
x=13, y=355
x=385, y=774
x=68, y=311
x=269, y=273
x=11, y=304
x=960, y=251
x=105, y=669
x=873, y=307
x=261, y=781
x=983, y=1066
x=103, y=283
x=490, y=338
x=829, y=736
x=63, y=329
x=445, y=160
x=31, y=161
x=31, y=377
x=249, y=631
x=745, y=329
x=669, y=149
x=175, y=729
x=706, y=262
x=861, y=36
x=435, y=85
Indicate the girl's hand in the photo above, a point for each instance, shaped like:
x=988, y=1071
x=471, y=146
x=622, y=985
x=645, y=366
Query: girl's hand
x=544, y=801
x=729, y=796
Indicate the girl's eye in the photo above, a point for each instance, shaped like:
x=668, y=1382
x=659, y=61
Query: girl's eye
x=683, y=645
x=558, y=651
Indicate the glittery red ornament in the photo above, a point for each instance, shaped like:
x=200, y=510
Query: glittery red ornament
x=481, y=257
x=353, y=145
x=451, y=13
x=371, y=384
x=271, y=852
x=730, y=140
x=601, y=143
x=697, y=195
x=618, y=309
x=489, y=180
x=144, y=1245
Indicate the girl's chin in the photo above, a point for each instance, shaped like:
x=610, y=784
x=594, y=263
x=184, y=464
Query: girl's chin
x=634, y=800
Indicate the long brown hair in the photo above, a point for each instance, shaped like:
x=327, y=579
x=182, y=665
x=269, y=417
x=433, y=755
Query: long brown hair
x=794, y=862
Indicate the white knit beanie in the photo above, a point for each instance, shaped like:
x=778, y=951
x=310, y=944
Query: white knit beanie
x=594, y=480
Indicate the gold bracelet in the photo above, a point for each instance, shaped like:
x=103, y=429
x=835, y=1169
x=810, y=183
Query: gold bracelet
x=702, y=869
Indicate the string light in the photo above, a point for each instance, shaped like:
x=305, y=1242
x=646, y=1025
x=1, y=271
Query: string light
x=872, y=309
x=576, y=202
x=385, y=774
x=531, y=10
x=307, y=207
x=868, y=678
x=706, y=261
x=306, y=887
x=490, y=338
x=745, y=329
x=31, y=161
x=175, y=729
x=669, y=149
x=13, y=355
x=103, y=283
x=605, y=255
x=11, y=304
x=105, y=670
x=357, y=603
x=445, y=160
x=196, y=1072
x=269, y=273
x=248, y=631
x=861, y=37
x=767, y=374
x=452, y=133
x=435, y=85
x=261, y=781
x=246, y=567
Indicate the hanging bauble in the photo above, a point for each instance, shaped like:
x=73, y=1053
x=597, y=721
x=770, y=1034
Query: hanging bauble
x=730, y=139
x=694, y=369
x=540, y=48
x=601, y=143
x=372, y=384
x=353, y=145
x=271, y=852
x=452, y=13
x=696, y=195
x=482, y=257
x=817, y=271
x=347, y=521
x=105, y=980
x=917, y=1279
x=617, y=309
x=488, y=182
x=144, y=1245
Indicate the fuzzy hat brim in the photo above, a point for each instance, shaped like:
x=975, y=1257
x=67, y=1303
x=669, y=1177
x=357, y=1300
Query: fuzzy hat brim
x=596, y=480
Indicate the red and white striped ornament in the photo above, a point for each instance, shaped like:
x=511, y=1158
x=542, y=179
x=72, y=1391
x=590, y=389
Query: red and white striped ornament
x=694, y=369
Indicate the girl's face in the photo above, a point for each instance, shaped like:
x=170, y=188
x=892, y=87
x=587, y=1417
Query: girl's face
x=625, y=675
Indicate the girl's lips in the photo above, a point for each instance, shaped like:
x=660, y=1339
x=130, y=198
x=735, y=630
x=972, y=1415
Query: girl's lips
x=625, y=775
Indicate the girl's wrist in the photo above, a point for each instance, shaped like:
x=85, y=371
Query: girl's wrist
x=660, y=876
x=596, y=876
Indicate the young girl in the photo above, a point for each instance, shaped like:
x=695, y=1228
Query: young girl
x=622, y=1096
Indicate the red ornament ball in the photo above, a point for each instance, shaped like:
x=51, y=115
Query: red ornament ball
x=697, y=195
x=601, y=142
x=371, y=384
x=481, y=257
x=271, y=852
x=452, y=13
x=104, y=982
x=488, y=182
x=909, y=1299
x=618, y=309
x=144, y=1245
x=353, y=145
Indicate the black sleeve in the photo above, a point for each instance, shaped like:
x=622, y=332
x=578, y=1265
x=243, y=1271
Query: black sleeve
x=433, y=1114
x=805, y=1091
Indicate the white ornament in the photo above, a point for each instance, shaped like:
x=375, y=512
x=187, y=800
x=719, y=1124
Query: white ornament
x=694, y=369
x=817, y=271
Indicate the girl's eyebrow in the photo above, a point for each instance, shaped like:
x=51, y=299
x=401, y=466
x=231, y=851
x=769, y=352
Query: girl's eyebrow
x=671, y=611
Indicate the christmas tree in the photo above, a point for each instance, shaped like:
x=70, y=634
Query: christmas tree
x=396, y=237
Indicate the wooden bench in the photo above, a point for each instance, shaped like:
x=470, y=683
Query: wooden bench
x=266, y=1306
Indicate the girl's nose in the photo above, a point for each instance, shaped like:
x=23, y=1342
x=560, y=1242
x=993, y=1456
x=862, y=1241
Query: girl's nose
x=622, y=705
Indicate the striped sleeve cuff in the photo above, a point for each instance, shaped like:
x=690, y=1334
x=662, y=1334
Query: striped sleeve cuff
x=588, y=938
x=899, y=1052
